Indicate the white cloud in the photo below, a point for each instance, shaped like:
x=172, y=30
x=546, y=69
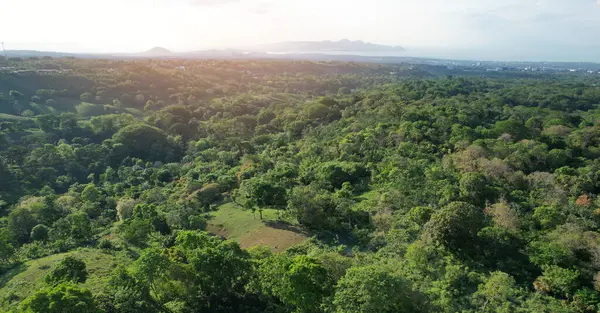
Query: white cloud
x=211, y=2
x=531, y=26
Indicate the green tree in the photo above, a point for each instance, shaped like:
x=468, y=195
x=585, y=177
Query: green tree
x=21, y=221
x=143, y=141
x=39, y=233
x=80, y=226
x=90, y=193
x=455, y=226
x=135, y=231
x=69, y=269
x=499, y=293
x=221, y=270
x=86, y=97
x=300, y=282
x=150, y=267
x=264, y=193
x=373, y=289
x=7, y=250
x=557, y=280
x=62, y=298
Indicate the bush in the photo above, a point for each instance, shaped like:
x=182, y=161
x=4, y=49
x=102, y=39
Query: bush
x=39, y=233
x=70, y=269
x=104, y=244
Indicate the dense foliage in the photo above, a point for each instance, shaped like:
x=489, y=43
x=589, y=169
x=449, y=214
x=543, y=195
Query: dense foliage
x=421, y=193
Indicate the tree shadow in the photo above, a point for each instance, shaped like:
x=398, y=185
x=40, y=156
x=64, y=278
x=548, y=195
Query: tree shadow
x=287, y=226
x=11, y=273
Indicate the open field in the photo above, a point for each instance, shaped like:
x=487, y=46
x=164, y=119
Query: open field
x=235, y=223
x=25, y=279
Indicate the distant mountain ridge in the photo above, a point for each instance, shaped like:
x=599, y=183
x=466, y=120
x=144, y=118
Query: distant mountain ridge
x=328, y=45
x=158, y=51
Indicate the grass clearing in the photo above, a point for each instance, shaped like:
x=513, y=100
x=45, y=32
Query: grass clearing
x=278, y=239
x=25, y=279
x=233, y=222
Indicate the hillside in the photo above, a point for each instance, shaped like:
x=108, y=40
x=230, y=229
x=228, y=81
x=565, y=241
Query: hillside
x=163, y=185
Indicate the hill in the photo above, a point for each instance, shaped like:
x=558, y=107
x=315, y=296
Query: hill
x=158, y=51
x=327, y=45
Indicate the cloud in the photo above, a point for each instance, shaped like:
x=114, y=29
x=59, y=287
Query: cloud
x=211, y=2
x=264, y=8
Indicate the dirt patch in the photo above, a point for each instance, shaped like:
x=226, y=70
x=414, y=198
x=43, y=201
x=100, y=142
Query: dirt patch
x=277, y=239
x=218, y=230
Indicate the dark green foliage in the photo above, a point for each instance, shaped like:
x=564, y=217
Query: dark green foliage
x=39, y=233
x=265, y=193
x=7, y=250
x=62, y=298
x=375, y=289
x=69, y=269
x=455, y=226
x=136, y=231
x=144, y=142
x=299, y=282
x=334, y=174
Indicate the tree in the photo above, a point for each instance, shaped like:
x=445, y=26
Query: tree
x=150, y=105
x=264, y=117
x=90, y=193
x=511, y=126
x=7, y=250
x=86, y=97
x=335, y=174
x=69, y=269
x=21, y=221
x=473, y=188
x=317, y=111
x=264, y=193
x=143, y=141
x=455, y=226
x=301, y=282
x=80, y=226
x=135, y=231
x=374, y=289
x=27, y=113
x=498, y=294
x=221, y=270
x=62, y=298
x=151, y=266
x=48, y=122
x=557, y=280
x=39, y=233
x=312, y=207
x=127, y=295
x=344, y=91
x=15, y=95
x=125, y=208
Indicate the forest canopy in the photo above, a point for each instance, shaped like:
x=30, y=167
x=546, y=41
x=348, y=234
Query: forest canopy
x=183, y=186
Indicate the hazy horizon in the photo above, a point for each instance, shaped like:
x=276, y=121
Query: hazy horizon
x=511, y=30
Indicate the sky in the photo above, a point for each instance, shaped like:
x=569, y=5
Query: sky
x=553, y=30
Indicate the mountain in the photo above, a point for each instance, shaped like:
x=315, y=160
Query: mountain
x=157, y=51
x=328, y=46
